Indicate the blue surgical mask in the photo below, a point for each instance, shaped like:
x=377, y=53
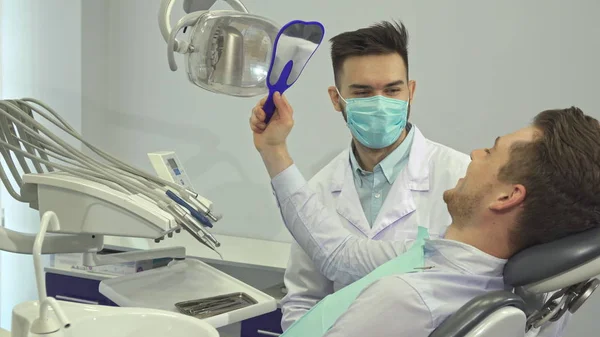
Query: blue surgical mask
x=377, y=121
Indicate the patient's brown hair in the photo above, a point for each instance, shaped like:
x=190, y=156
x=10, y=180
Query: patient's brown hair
x=560, y=170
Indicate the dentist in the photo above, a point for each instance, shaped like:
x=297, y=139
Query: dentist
x=388, y=182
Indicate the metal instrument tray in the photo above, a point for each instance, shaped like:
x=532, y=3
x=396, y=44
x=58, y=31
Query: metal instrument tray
x=216, y=305
x=161, y=288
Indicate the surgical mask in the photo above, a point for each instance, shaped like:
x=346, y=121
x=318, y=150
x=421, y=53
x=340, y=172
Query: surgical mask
x=377, y=121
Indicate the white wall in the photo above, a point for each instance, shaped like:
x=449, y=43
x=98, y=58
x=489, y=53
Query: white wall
x=41, y=58
x=94, y=75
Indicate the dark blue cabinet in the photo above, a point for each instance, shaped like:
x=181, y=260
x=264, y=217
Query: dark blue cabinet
x=84, y=290
x=75, y=289
x=263, y=325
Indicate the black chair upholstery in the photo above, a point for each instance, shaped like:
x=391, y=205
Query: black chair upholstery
x=541, y=262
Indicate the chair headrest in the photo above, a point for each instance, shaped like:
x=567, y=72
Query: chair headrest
x=542, y=262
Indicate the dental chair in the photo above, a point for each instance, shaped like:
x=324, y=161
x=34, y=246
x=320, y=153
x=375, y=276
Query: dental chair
x=564, y=270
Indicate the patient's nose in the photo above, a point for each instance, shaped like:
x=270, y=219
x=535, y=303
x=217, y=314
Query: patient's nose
x=476, y=153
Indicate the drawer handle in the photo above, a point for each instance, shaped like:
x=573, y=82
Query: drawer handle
x=267, y=333
x=72, y=299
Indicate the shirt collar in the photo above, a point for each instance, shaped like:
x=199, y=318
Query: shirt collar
x=390, y=163
x=464, y=257
x=354, y=162
x=417, y=167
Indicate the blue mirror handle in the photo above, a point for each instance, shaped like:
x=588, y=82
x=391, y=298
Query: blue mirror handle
x=269, y=107
x=281, y=86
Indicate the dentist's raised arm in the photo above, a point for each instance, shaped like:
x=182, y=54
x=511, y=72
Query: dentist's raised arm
x=339, y=255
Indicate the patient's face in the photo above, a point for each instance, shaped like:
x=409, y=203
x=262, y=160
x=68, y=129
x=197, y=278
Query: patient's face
x=473, y=193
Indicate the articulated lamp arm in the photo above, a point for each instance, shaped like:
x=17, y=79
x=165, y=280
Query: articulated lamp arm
x=190, y=6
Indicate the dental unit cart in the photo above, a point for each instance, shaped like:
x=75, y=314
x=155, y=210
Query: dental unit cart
x=68, y=281
x=177, y=285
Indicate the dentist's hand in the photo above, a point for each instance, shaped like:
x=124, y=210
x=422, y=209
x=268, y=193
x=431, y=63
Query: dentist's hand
x=268, y=137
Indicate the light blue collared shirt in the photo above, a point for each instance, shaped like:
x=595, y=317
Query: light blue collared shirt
x=373, y=187
x=414, y=304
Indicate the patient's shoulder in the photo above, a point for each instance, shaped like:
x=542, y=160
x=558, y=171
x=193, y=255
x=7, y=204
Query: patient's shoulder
x=398, y=288
x=395, y=282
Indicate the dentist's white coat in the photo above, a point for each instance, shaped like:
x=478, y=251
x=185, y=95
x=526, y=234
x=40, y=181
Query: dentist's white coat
x=415, y=199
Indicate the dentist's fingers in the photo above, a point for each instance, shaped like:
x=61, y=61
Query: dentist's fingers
x=259, y=112
x=283, y=108
x=257, y=118
x=262, y=101
x=256, y=130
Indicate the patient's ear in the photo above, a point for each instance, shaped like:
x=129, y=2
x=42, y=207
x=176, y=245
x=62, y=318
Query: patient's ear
x=510, y=198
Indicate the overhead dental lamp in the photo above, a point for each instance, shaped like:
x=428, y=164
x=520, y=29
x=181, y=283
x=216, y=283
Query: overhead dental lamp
x=227, y=51
x=233, y=52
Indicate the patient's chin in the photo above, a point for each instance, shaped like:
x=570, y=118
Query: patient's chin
x=452, y=201
x=447, y=196
x=461, y=206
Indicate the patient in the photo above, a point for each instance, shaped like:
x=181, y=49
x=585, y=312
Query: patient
x=533, y=186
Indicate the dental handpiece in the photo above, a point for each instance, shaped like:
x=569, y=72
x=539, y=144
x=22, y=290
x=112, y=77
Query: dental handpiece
x=191, y=226
x=201, y=239
x=201, y=229
x=205, y=209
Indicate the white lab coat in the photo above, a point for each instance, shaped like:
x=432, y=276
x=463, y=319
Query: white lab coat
x=415, y=199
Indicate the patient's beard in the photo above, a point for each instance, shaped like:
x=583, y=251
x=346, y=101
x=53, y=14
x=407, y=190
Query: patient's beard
x=462, y=207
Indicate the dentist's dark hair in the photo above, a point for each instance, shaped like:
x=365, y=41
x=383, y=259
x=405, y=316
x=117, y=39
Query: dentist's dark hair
x=379, y=39
x=560, y=170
